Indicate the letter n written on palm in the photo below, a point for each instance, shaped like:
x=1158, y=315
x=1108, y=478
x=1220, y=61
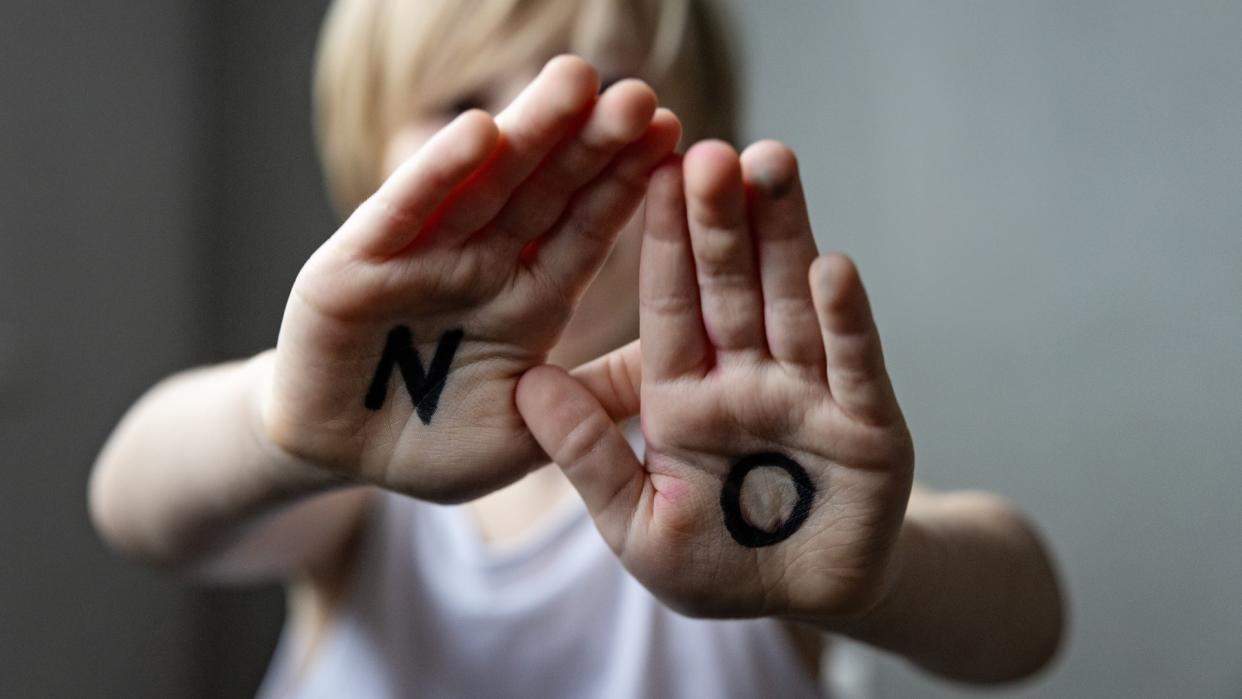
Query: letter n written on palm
x=424, y=386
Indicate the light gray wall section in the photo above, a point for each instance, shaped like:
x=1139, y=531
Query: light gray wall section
x=1046, y=202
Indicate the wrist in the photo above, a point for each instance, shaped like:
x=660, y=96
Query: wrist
x=289, y=475
x=911, y=578
x=908, y=580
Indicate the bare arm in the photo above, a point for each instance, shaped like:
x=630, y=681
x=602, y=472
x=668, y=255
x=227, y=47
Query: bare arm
x=189, y=481
x=972, y=596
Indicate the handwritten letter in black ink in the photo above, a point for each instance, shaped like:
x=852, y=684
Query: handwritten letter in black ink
x=424, y=386
x=731, y=496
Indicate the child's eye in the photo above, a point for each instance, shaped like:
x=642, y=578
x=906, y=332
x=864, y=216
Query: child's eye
x=465, y=104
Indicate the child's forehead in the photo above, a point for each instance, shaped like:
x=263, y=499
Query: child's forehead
x=472, y=44
x=381, y=63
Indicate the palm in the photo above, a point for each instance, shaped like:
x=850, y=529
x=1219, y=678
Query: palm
x=406, y=332
x=380, y=425
x=777, y=464
x=780, y=547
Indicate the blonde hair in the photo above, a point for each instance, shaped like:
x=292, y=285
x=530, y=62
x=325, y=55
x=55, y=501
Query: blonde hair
x=380, y=62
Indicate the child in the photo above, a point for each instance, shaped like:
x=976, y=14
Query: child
x=761, y=503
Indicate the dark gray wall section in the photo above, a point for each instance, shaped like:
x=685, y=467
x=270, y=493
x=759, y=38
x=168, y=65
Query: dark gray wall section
x=271, y=212
x=99, y=157
x=157, y=193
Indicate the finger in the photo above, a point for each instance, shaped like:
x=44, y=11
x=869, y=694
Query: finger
x=857, y=378
x=396, y=214
x=554, y=103
x=577, y=433
x=670, y=323
x=724, y=260
x=568, y=257
x=785, y=250
x=620, y=116
x=615, y=380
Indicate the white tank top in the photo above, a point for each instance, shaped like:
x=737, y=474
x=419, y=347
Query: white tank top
x=431, y=611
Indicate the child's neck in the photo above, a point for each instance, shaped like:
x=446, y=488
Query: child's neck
x=511, y=515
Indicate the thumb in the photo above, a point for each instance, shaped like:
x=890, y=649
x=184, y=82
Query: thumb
x=615, y=379
x=575, y=430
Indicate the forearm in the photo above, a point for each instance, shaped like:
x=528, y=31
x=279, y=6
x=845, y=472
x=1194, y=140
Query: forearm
x=188, y=473
x=973, y=595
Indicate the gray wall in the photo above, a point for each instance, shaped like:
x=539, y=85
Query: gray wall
x=97, y=211
x=153, y=157
x=1045, y=199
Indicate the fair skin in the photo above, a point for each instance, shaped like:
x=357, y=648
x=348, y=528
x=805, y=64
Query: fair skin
x=751, y=342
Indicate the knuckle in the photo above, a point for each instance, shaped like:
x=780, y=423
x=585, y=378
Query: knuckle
x=597, y=214
x=718, y=249
x=621, y=381
x=793, y=312
x=582, y=440
x=533, y=210
x=667, y=304
x=631, y=175
x=586, y=154
x=726, y=281
x=391, y=214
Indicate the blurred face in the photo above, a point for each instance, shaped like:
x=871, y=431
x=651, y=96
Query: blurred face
x=607, y=315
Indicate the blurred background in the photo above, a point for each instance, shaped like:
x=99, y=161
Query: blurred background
x=1045, y=199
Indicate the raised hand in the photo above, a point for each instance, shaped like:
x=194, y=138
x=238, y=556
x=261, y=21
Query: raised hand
x=777, y=464
x=406, y=332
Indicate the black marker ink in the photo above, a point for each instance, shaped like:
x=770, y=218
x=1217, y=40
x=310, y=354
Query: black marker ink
x=776, y=185
x=731, y=500
x=424, y=386
x=779, y=189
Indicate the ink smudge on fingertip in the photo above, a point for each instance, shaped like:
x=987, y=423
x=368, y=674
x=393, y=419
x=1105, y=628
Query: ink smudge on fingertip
x=775, y=185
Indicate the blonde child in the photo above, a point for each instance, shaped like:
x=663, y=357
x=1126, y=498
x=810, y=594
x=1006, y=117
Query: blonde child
x=762, y=502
